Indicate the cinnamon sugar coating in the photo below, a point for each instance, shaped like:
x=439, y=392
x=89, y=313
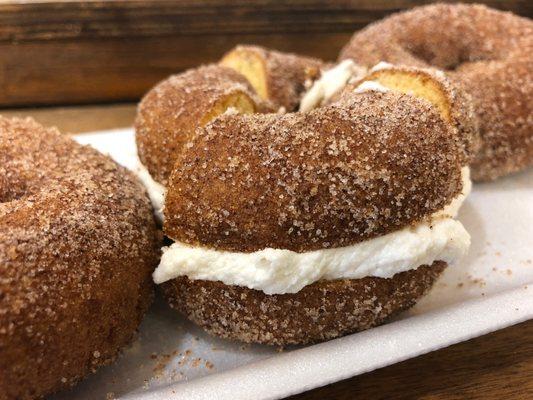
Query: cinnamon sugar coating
x=78, y=244
x=503, y=97
x=488, y=52
x=285, y=74
x=453, y=102
x=321, y=311
x=169, y=113
x=356, y=169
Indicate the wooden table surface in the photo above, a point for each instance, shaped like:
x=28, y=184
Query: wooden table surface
x=496, y=366
x=95, y=51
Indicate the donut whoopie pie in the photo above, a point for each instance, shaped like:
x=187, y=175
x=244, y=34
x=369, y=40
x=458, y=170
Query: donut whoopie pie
x=292, y=228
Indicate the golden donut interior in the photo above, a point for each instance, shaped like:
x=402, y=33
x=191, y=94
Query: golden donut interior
x=239, y=101
x=250, y=64
x=415, y=83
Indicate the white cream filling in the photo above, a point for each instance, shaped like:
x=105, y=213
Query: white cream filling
x=369, y=86
x=278, y=271
x=335, y=79
x=381, y=65
x=156, y=191
x=385, y=65
x=330, y=83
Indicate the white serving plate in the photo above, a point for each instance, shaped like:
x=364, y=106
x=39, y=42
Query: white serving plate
x=490, y=289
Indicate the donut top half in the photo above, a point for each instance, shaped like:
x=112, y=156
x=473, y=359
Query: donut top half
x=330, y=178
x=365, y=165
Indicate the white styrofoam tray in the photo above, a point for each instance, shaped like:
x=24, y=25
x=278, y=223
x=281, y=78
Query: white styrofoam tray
x=488, y=290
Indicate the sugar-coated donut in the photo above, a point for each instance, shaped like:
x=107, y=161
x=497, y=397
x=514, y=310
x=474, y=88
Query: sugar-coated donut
x=341, y=214
x=350, y=171
x=277, y=77
x=488, y=52
x=275, y=188
x=170, y=113
x=78, y=243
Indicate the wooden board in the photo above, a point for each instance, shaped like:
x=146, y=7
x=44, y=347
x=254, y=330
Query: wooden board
x=61, y=52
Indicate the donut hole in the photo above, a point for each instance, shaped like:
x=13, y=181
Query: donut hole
x=252, y=66
x=422, y=53
x=239, y=102
x=447, y=56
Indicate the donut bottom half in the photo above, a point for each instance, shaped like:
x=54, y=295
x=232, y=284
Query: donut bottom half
x=321, y=311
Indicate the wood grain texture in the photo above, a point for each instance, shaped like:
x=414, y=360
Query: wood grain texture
x=498, y=366
x=117, y=69
x=61, y=52
x=47, y=20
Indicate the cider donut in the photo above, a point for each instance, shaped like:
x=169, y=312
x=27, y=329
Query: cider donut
x=277, y=77
x=249, y=79
x=237, y=156
x=281, y=222
x=78, y=244
x=169, y=114
x=488, y=52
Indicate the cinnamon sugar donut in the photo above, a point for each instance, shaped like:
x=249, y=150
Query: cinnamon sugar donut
x=77, y=246
x=340, y=216
x=488, y=52
x=170, y=113
x=249, y=79
x=292, y=215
